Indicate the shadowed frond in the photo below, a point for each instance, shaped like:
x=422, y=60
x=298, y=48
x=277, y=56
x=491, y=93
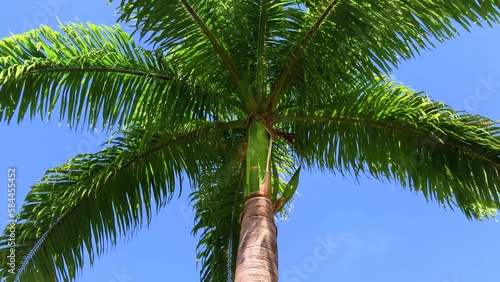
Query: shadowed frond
x=91, y=201
x=90, y=73
x=218, y=203
x=256, y=41
x=389, y=131
x=189, y=31
x=278, y=88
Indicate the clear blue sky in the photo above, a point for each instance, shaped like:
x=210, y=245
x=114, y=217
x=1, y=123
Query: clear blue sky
x=377, y=231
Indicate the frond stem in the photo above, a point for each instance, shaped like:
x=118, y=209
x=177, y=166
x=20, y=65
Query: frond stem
x=101, y=69
x=382, y=124
x=278, y=89
x=226, y=60
x=260, y=51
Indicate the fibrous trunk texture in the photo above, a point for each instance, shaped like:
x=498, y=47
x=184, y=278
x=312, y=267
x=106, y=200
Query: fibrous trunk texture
x=258, y=249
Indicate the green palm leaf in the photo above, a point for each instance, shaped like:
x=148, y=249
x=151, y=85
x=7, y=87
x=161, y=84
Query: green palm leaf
x=218, y=205
x=185, y=30
x=91, y=73
x=392, y=132
x=96, y=198
x=369, y=37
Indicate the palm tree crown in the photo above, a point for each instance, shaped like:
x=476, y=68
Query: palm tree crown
x=234, y=95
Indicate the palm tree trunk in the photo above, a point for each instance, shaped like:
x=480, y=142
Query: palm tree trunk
x=257, y=258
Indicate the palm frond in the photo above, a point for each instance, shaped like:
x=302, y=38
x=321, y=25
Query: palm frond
x=283, y=166
x=94, y=199
x=91, y=73
x=189, y=31
x=392, y=132
x=218, y=203
x=362, y=38
x=278, y=90
x=256, y=40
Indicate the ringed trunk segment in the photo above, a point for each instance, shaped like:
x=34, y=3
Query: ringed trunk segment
x=257, y=258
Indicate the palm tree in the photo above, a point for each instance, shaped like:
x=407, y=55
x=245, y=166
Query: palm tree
x=237, y=97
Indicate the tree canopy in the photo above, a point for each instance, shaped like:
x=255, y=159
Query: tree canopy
x=315, y=73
